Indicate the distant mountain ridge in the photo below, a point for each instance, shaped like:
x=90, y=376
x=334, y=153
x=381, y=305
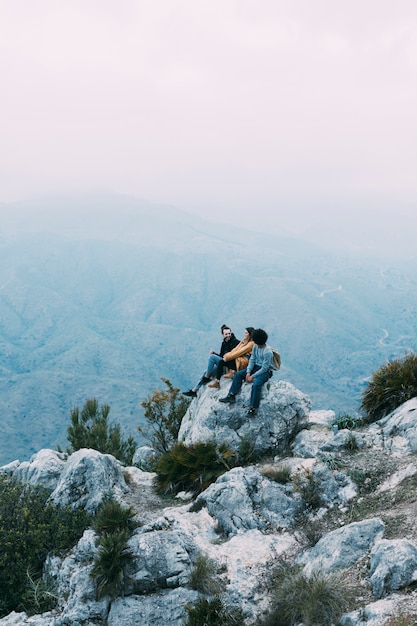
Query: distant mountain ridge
x=102, y=297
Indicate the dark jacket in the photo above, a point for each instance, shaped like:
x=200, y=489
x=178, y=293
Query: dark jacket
x=228, y=345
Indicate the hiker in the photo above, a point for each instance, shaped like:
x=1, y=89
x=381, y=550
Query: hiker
x=229, y=342
x=258, y=371
x=235, y=360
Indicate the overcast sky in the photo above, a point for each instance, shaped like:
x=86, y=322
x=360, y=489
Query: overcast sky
x=222, y=107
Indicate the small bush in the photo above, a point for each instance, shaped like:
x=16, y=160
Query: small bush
x=114, y=525
x=109, y=564
x=90, y=428
x=112, y=517
x=213, y=613
x=163, y=413
x=192, y=468
x=246, y=450
x=309, y=490
x=390, y=386
x=203, y=576
x=313, y=600
x=346, y=421
x=332, y=462
x=351, y=443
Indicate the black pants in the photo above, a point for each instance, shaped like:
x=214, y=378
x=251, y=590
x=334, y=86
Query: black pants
x=222, y=364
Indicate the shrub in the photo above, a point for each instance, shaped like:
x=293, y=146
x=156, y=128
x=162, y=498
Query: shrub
x=213, y=613
x=112, y=517
x=310, y=491
x=351, y=443
x=110, y=563
x=344, y=420
x=203, y=576
x=90, y=428
x=191, y=468
x=314, y=600
x=30, y=528
x=163, y=413
x=391, y=385
x=114, y=525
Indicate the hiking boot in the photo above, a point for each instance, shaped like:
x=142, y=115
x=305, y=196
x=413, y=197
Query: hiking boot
x=252, y=411
x=190, y=393
x=230, y=398
x=215, y=384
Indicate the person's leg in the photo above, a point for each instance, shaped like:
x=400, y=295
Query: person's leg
x=212, y=364
x=258, y=382
x=235, y=386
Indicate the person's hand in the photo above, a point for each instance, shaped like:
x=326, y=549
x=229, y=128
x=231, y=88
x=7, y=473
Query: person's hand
x=249, y=378
x=211, y=352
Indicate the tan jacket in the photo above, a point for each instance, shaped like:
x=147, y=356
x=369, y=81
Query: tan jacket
x=240, y=354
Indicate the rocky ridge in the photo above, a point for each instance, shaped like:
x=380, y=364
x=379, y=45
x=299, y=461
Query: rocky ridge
x=247, y=522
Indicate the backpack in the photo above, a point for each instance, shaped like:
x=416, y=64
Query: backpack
x=276, y=359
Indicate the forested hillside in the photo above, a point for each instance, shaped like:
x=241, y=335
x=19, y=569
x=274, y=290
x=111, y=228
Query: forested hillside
x=105, y=301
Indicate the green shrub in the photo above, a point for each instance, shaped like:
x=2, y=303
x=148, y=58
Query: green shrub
x=314, y=600
x=191, y=468
x=391, y=385
x=110, y=562
x=203, y=576
x=332, y=462
x=308, y=488
x=351, y=443
x=90, y=428
x=30, y=528
x=114, y=524
x=163, y=413
x=213, y=613
x=346, y=421
x=111, y=517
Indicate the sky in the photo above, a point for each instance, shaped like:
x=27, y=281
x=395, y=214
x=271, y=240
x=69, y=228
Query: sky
x=230, y=109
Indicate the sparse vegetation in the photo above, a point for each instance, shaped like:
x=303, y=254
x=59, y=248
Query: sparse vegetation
x=90, y=428
x=203, y=577
x=390, y=386
x=213, y=613
x=351, y=443
x=164, y=410
x=306, y=485
x=280, y=473
x=192, y=468
x=314, y=600
x=30, y=528
x=346, y=421
x=402, y=619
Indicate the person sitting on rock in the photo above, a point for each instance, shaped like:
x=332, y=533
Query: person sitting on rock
x=229, y=342
x=235, y=360
x=258, y=371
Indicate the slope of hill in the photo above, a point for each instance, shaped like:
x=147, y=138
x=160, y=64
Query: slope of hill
x=100, y=298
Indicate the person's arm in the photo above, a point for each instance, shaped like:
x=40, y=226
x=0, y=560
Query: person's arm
x=239, y=351
x=266, y=362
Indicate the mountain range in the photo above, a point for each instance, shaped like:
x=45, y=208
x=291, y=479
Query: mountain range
x=102, y=296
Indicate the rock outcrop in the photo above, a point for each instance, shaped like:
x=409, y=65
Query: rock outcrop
x=283, y=412
x=246, y=522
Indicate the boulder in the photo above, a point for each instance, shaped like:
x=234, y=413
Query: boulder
x=343, y=547
x=87, y=477
x=393, y=566
x=161, y=560
x=44, y=468
x=244, y=499
x=144, y=458
x=283, y=412
x=398, y=430
x=164, y=607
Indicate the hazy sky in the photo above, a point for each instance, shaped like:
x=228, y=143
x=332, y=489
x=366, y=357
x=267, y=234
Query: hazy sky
x=237, y=107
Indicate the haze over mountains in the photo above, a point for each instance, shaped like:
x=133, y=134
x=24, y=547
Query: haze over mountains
x=100, y=297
